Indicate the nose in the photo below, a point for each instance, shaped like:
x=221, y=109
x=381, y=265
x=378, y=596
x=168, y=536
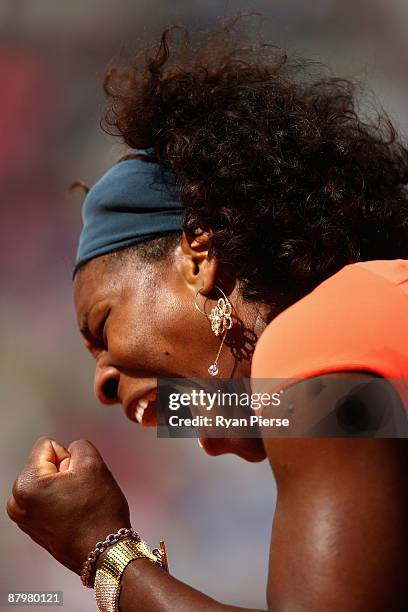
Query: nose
x=106, y=384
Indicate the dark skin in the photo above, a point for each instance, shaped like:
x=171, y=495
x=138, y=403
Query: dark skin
x=340, y=533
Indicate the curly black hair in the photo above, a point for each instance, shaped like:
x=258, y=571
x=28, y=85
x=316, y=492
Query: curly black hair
x=277, y=164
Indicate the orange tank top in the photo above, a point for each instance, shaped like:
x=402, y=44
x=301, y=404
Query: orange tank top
x=357, y=320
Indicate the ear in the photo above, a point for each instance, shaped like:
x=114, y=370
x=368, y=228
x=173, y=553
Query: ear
x=197, y=269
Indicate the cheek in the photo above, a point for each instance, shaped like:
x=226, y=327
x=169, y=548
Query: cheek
x=153, y=333
x=164, y=315
x=173, y=320
x=185, y=334
x=161, y=332
x=127, y=332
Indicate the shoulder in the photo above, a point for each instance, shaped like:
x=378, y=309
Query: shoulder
x=355, y=320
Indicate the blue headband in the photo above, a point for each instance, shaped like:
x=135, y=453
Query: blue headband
x=127, y=205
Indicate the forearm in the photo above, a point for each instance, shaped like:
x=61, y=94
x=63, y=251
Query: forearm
x=148, y=588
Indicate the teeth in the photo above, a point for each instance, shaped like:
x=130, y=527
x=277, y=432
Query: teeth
x=139, y=414
x=140, y=408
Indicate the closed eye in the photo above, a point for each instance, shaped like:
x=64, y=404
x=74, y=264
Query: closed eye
x=95, y=339
x=101, y=331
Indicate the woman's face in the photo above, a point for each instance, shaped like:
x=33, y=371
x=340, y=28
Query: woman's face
x=140, y=323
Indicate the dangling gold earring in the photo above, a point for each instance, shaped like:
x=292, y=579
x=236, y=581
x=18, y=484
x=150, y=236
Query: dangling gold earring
x=221, y=322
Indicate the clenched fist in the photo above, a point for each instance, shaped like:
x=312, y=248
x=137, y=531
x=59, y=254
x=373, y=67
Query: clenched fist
x=67, y=500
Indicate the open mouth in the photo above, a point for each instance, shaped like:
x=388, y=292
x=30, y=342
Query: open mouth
x=143, y=410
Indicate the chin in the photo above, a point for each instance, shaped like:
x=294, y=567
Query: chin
x=250, y=449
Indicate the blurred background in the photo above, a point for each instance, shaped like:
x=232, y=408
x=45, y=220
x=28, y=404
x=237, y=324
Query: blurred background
x=52, y=59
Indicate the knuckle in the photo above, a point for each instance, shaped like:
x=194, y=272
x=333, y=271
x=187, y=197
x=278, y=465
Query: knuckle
x=41, y=440
x=91, y=449
x=81, y=445
x=74, y=443
x=89, y=463
x=12, y=509
x=23, y=489
x=87, y=452
x=92, y=463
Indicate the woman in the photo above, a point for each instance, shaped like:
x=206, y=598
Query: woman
x=252, y=182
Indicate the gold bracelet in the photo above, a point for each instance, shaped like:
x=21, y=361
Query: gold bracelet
x=117, y=557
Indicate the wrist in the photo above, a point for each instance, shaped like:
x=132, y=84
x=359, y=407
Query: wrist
x=112, y=565
x=92, y=557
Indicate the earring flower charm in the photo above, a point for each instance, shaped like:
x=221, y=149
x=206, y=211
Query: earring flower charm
x=220, y=316
x=221, y=321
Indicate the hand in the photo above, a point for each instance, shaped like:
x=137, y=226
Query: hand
x=67, y=500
